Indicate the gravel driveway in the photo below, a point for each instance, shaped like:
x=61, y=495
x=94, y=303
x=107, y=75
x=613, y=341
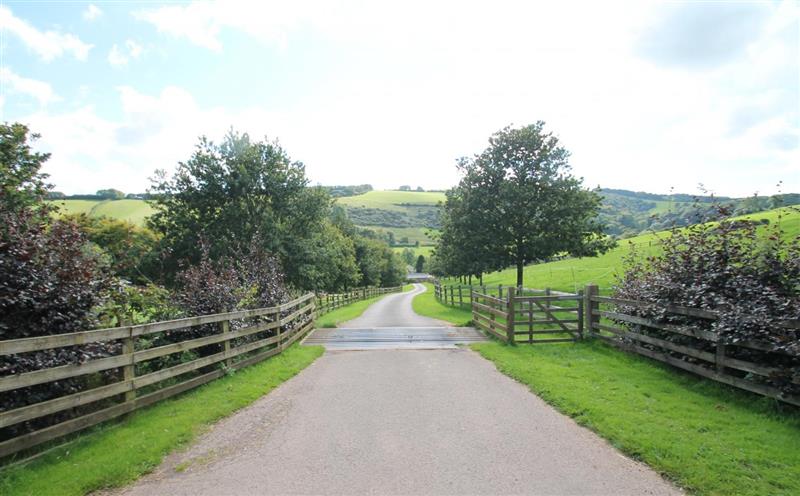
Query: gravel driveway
x=400, y=422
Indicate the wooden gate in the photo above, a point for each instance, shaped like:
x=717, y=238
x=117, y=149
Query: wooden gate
x=527, y=313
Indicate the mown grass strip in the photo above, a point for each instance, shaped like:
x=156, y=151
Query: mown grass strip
x=426, y=304
x=707, y=437
x=116, y=454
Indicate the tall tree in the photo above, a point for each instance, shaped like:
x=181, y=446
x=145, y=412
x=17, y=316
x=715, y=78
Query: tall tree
x=524, y=203
x=22, y=184
x=420, y=265
x=232, y=193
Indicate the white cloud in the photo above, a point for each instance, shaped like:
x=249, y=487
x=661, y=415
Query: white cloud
x=409, y=92
x=48, y=44
x=134, y=49
x=202, y=22
x=39, y=90
x=92, y=12
x=118, y=56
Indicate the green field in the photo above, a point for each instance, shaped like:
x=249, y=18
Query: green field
x=391, y=200
x=134, y=211
x=413, y=234
x=425, y=251
x=575, y=273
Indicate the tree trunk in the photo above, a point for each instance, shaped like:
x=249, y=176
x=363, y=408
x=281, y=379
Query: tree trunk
x=520, y=269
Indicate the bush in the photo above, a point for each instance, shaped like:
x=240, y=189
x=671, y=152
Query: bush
x=749, y=275
x=50, y=282
x=132, y=250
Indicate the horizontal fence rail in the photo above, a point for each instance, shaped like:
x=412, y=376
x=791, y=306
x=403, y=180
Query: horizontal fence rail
x=147, y=363
x=695, y=348
x=530, y=316
x=460, y=294
x=522, y=315
x=327, y=302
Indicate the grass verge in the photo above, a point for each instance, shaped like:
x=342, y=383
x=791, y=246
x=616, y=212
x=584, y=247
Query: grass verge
x=707, y=437
x=426, y=304
x=116, y=454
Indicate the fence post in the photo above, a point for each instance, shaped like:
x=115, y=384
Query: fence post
x=500, y=291
x=225, y=326
x=579, y=301
x=511, y=316
x=129, y=371
x=719, y=357
x=471, y=307
x=278, y=329
x=460, y=297
x=589, y=307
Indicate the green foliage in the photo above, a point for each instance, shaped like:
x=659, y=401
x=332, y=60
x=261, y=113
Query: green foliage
x=329, y=260
x=408, y=256
x=378, y=264
x=118, y=453
x=751, y=280
x=420, y=265
x=130, y=248
x=22, y=184
x=50, y=279
x=709, y=438
x=110, y=194
x=235, y=194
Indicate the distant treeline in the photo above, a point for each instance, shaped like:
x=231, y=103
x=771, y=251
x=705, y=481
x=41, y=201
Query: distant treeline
x=340, y=191
x=103, y=194
x=627, y=213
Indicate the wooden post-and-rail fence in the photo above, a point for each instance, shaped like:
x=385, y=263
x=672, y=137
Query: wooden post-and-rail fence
x=327, y=302
x=529, y=315
x=148, y=363
x=522, y=315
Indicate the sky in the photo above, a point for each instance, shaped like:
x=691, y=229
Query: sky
x=646, y=96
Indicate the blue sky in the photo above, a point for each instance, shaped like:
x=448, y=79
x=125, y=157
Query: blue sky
x=647, y=96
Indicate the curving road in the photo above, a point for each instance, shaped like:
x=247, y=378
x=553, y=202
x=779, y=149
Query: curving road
x=400, y=422
x=395, y=310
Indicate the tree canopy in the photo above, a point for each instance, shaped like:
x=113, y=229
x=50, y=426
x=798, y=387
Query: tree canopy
x=517, y=203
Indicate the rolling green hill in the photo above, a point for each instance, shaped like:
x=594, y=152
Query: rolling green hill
x=406, y=214
x=575, y=273
x=134, y=211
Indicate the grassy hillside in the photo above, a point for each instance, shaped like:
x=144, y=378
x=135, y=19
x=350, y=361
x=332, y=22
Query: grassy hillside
x=391, y=200
x=131, y=210
x=404, y=213
x=573, y=274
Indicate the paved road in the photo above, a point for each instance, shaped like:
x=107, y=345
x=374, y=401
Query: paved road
x=392, y=324
x=400, y=422
x=395, y=311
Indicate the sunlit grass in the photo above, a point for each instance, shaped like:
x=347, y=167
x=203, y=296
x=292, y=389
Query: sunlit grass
x=426, y=304
x=575, y=273
x=707, y=437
